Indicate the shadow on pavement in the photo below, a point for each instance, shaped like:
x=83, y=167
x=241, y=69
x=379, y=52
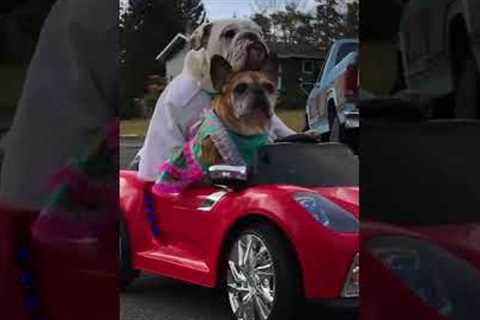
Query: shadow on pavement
x=156, y=298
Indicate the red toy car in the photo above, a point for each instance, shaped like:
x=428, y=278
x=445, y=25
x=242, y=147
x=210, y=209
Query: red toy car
x=420, y=230
x=432, y=271
x=284, y=231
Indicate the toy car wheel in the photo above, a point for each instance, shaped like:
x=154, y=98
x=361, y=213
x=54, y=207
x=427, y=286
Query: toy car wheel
x=127, y=273
x=262, y=280
x=467, y=96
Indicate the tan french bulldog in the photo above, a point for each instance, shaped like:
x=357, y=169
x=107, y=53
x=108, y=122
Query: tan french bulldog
x=246, y=103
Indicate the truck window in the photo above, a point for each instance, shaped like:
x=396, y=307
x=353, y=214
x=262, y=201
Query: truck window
x=345, y=50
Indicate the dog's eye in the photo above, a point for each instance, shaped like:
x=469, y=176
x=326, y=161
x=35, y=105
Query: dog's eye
x=268, y=87
x=241, y=88
x=230, y=34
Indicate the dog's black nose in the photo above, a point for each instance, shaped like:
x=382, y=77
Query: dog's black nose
x=261, y=101
x=258, y=92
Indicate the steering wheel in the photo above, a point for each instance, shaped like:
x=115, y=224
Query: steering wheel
x=299, y=138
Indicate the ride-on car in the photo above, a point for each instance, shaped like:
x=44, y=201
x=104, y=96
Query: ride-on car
x=420, y=224
x=270, y=236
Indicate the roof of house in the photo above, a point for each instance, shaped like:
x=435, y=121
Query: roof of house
x=177, y=43
x=287, y=52
x=300, y=56
x=283, y=52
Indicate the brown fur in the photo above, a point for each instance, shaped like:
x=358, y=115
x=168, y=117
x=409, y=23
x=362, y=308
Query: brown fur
x=223, y=104
x=210, y=154
x=257, y=119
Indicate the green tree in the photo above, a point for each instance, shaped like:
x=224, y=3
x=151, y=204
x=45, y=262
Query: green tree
x=192, y=13
x=352, y=20
x=289, y=28
x=266, y=24
x=146, y=28
x=330, y=23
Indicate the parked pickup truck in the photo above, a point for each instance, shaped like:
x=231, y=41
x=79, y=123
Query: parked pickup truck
x=331, y=109
x=440, y=47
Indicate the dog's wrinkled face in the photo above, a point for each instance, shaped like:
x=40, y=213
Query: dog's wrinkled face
x=248, y=98
x=240, y=42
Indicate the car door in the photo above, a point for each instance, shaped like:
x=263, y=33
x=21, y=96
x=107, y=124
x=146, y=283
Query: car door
x=317, y=100
x=423, y=44
x=312, y=110
x=186, y=221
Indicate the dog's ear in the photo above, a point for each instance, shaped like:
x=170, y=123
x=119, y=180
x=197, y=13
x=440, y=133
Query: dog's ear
x=271, y=68
x=220, y=71
x=199, y=38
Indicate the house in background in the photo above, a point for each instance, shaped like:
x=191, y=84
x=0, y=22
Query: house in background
x=173, y=56
x=295, y=64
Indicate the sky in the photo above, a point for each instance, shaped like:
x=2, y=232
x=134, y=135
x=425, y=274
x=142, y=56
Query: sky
x=220, y=9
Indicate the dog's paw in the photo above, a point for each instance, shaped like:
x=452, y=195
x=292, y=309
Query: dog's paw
x=196, y=64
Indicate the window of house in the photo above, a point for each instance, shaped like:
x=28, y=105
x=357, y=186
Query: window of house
x=307, y=66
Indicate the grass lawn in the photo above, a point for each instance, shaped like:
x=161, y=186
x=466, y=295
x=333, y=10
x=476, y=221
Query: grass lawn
x=295, y=119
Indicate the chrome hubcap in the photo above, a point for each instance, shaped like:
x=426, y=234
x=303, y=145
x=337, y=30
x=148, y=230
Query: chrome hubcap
x=250, y=279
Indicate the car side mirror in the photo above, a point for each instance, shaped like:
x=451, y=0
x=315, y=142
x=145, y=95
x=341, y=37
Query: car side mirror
x=227, y=172
x=227, y=175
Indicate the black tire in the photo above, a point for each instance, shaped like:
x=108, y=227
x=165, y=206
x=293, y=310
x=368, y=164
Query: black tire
x=307, y=126
x=325, y=137
x=331, y=116
x=127, y=274
x=337, y=131
x=340, y=134
x=288, y=288
x=467, y=95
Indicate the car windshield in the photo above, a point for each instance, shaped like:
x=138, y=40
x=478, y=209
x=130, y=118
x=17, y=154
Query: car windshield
x=429, y=161
x=306, y=165
x=345, y=50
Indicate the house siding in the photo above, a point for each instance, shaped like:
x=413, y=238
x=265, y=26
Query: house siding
x=174, y=64
x=291, y=94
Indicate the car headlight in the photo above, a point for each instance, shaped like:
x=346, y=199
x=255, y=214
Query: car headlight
x=351, y=288
x=431, y=272
x=327, y=213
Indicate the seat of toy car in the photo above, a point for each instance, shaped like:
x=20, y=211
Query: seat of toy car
x=305, y=164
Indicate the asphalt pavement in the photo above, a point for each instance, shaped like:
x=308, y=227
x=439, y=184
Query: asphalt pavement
x=152, y=297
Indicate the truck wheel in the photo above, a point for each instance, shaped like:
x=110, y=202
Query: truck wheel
x=306, y=126
x=331, y=117
x=467, y=95
x=126, y=272
x=337, y=131
x=262, y=278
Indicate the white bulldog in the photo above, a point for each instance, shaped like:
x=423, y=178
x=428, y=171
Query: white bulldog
x=182, y=103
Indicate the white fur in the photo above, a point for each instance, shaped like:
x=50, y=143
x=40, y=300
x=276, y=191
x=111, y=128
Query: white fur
x=197, y=62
